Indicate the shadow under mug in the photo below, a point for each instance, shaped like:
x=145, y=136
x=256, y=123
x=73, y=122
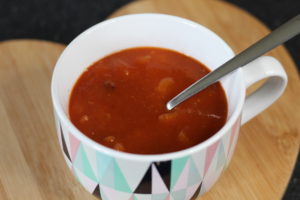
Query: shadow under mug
x=186, y=174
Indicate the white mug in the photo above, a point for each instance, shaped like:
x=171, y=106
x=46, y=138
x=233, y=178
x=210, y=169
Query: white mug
x=186, y=174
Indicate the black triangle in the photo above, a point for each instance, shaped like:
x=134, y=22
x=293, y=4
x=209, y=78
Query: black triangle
x=145, y=186
x=164, y=169
x=97, y=192
x=197, y=192
x=65, y=149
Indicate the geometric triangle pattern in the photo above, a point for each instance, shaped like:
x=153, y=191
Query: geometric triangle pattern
x=182, y=181
x=158, y=185
x=194, y=176
x=232, y=134
x=221, y=161
x=92, y=159
x=199, y=160
x=120, y=181
x=145, y=186
x=88, y=184
x=233, y=137
x=102, y=193
x=118, y=178
x=202, y=190
x=108, y=179
x=112, y=193
x=74, y=143
x=196, y=193
x=210, y=155
x=177, y=168
x=179, y=194
x=64, y=146
x=82, y=163
x=96, y=191
x=192, y=191
x=156, y=180
x=164, y=169
x=103, y=161
x=128, y=166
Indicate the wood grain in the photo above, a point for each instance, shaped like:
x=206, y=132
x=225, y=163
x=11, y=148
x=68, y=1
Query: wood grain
x=32, y=165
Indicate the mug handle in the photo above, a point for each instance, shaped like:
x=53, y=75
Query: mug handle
x=270, y=91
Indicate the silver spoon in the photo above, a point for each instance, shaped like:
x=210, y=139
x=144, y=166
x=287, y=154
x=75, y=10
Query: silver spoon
x=280, y=35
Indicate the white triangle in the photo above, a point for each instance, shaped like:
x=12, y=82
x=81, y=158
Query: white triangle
x=158, y=185
x=211, y=177
x=112, y=194
x=199, y=160
x=225, y=141
x=88, y=184
x=133, y=171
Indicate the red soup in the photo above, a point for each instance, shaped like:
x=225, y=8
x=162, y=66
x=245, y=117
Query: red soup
x=119, y=102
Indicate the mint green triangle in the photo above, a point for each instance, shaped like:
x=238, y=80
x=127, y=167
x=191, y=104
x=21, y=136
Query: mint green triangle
x=78, y=161
x=159, y=196
x=221, y=156
x=120, y=181
x=82, y=163
x=108, y=179
x=179, y=195
x=176, y=169
x=194, y=176
x=135, y=198
x=103, y=162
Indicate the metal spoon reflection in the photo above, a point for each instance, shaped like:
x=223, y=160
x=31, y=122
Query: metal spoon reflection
x=280, y=35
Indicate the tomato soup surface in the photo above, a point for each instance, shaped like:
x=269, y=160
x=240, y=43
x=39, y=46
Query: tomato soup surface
x=120, y=102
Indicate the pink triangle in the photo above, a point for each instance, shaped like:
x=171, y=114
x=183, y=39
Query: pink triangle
x=210, y=152
x=232, y=134
x=158, y=185
x=169, y=197
x=131, y=198
x=182, y=180
x=74, y=143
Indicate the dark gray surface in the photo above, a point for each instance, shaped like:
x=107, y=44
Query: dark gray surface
x=62, y=20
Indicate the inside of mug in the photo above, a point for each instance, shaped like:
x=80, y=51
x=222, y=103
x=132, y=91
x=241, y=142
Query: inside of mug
x=143, y=30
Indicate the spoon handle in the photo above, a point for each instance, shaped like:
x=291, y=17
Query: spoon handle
x=280, y=35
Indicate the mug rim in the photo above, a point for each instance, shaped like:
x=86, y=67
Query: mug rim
x=144, y=157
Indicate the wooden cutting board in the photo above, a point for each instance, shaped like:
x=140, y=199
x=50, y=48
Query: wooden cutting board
x=32, y=165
